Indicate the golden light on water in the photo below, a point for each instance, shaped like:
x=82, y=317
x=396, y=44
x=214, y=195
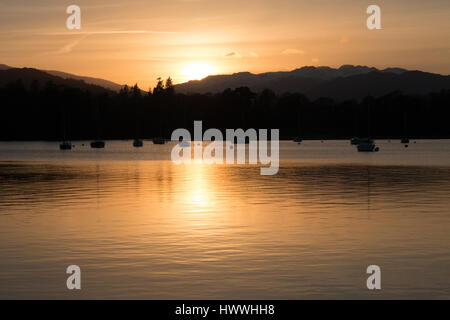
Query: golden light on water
x=200, y=197
x=170, y=231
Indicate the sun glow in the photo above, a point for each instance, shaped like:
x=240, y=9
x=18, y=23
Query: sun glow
x=197, y=71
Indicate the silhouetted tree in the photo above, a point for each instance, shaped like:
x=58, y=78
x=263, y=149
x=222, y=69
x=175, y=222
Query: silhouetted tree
x=168, y=87
x=159, y=88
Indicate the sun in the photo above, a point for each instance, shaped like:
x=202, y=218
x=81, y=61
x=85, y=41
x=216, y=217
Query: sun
x=197, y=71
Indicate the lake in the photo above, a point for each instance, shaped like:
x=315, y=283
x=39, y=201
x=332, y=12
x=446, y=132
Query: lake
x=140, y=226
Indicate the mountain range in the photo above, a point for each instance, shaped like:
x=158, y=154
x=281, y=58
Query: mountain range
x=346, y=82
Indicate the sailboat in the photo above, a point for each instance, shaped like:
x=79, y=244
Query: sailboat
x=159, y=140
x=184, y=144
x=65, y=144
x=405, y=139
x=355, y=141
x=137, y=143
x=298, y=138
x=97, y=143
x=367, y=144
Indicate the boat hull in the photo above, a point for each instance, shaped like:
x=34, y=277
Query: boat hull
x=159, y=141
x=97, y=144
x=367, y=146
x=137, y=143
x=65, y=146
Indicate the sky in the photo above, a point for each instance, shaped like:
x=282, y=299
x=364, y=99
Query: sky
x=137, y=41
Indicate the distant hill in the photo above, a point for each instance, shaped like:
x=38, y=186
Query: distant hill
x=378, y=83
x=28, y=75
x=346, y=82
x=96, y=81
x=89, y=80
x=5, y=67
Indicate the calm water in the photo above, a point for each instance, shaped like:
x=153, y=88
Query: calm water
x=140, y=226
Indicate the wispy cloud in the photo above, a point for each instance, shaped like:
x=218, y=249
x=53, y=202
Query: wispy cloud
x=8, y=8
x=68, y=48
x=233, y=54
x=107, y=32
x=292, y=51
x=253, y=54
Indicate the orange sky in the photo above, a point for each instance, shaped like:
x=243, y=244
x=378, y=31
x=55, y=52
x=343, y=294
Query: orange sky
x=137, y=41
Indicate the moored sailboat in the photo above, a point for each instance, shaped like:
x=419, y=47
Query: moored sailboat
x=137, y=143
x=97, y=144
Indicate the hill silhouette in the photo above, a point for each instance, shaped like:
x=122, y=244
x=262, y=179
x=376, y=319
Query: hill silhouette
x=88, y=80
x=346, y=82
x=28, y=75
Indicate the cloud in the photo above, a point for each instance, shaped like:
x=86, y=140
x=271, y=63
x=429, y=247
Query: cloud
x=68, y=47
x=292, y=51
x=107, y=32
x=233, y=54
x=253, y=54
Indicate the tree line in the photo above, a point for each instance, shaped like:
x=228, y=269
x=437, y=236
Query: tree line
x=46, y=111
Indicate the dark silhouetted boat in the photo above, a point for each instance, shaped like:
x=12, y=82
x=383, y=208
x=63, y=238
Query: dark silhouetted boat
x=97, y=144
x=137, y=143
x=184, y=144
x=159, y=140
x=355, y=141
x=298, y=138
x=367, y=145
x=65, y=145
x=405, y=139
